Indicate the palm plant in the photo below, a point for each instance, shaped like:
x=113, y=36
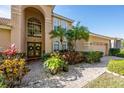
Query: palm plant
x=70, y=38
x=58, y=33
x=77, y=33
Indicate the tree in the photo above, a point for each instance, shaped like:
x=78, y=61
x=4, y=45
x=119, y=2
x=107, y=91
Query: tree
x=58, y=33
x=77, y=33
x=70, y=39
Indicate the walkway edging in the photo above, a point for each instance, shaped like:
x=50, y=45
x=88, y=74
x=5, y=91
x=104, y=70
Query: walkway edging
x=115, y=74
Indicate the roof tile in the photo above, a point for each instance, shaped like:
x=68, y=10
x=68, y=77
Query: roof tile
x=5, y=21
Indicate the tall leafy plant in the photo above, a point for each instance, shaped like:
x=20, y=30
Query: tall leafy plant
x=77, y=32
x=70, y=38
x=58, y=33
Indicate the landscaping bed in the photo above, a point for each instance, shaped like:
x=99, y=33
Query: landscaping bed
x=76, y=77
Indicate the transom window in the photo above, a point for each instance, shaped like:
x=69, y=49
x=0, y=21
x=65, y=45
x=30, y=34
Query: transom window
x=34, y=27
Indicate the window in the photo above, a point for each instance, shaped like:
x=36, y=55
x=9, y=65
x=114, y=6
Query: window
x=56, y=46
x=64, y=45
x=34, y=27
x=56, y=23
x=64, y=24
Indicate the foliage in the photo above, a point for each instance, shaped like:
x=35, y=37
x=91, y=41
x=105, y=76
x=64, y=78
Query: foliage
x=121, y=53
x=123, y=43
x=59, y=33
x=72, y=57
x=1, y=58
x=114, y=51
x=45, y=56
x=70, y=38
x=13, y=71
x=93, y=56
x=2, y=82
x=55, y=64
x=11, y=53
x=77, y=33
x=116, y=66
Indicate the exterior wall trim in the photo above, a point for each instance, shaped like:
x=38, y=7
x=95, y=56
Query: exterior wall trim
x=5, y=27
x=62, y=17
x=101, y=36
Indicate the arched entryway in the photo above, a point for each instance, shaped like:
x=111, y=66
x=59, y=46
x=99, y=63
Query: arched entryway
x=20, y=15
x=34, y=32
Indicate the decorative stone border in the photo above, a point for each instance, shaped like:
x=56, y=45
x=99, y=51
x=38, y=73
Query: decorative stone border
x=115, y=74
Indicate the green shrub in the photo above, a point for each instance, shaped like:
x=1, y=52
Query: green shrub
x=116, y=66
x=16, y=55
x=55, y=64
x=120, y=54
x=1, y=58
x=13, y=71
x=114, y=51
x=93, y=56
x=45, y=56
x=100, y=53
x=2, y=82
x=72, y=57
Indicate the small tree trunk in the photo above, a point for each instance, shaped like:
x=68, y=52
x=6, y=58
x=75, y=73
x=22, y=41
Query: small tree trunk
x=62, y=46
x=75, y=46
x=61, y=43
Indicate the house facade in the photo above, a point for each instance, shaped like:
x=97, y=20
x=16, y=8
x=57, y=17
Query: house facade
x=29, y=29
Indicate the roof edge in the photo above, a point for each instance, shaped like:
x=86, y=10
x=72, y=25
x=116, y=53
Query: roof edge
x=106, y=37
x=62, y=17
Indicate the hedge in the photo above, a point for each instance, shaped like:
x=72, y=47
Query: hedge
x=93, y=56
x=114, y=51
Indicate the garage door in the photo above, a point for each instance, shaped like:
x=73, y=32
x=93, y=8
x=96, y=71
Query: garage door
x=103, y=47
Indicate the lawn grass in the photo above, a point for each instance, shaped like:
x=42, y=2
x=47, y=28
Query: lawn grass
x=116, y=66
x=106, y=80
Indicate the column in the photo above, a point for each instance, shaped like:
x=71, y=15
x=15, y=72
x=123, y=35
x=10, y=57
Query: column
x=48, y=40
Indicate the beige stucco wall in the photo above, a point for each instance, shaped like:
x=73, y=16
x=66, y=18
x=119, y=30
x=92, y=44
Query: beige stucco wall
x=5, y=38
x=18, y=23
x=85, y=46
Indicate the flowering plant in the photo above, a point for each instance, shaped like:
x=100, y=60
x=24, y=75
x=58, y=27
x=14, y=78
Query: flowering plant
x=12, y=68
x=11, y=51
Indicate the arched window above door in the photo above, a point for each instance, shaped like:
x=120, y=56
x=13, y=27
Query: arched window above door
x=34, y=27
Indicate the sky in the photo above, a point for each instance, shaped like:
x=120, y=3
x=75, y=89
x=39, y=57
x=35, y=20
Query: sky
x=104, y=20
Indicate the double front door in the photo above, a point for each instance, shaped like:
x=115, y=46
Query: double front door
x=33, y=49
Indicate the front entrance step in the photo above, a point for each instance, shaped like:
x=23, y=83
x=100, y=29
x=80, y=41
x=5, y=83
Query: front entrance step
x=28, y=60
